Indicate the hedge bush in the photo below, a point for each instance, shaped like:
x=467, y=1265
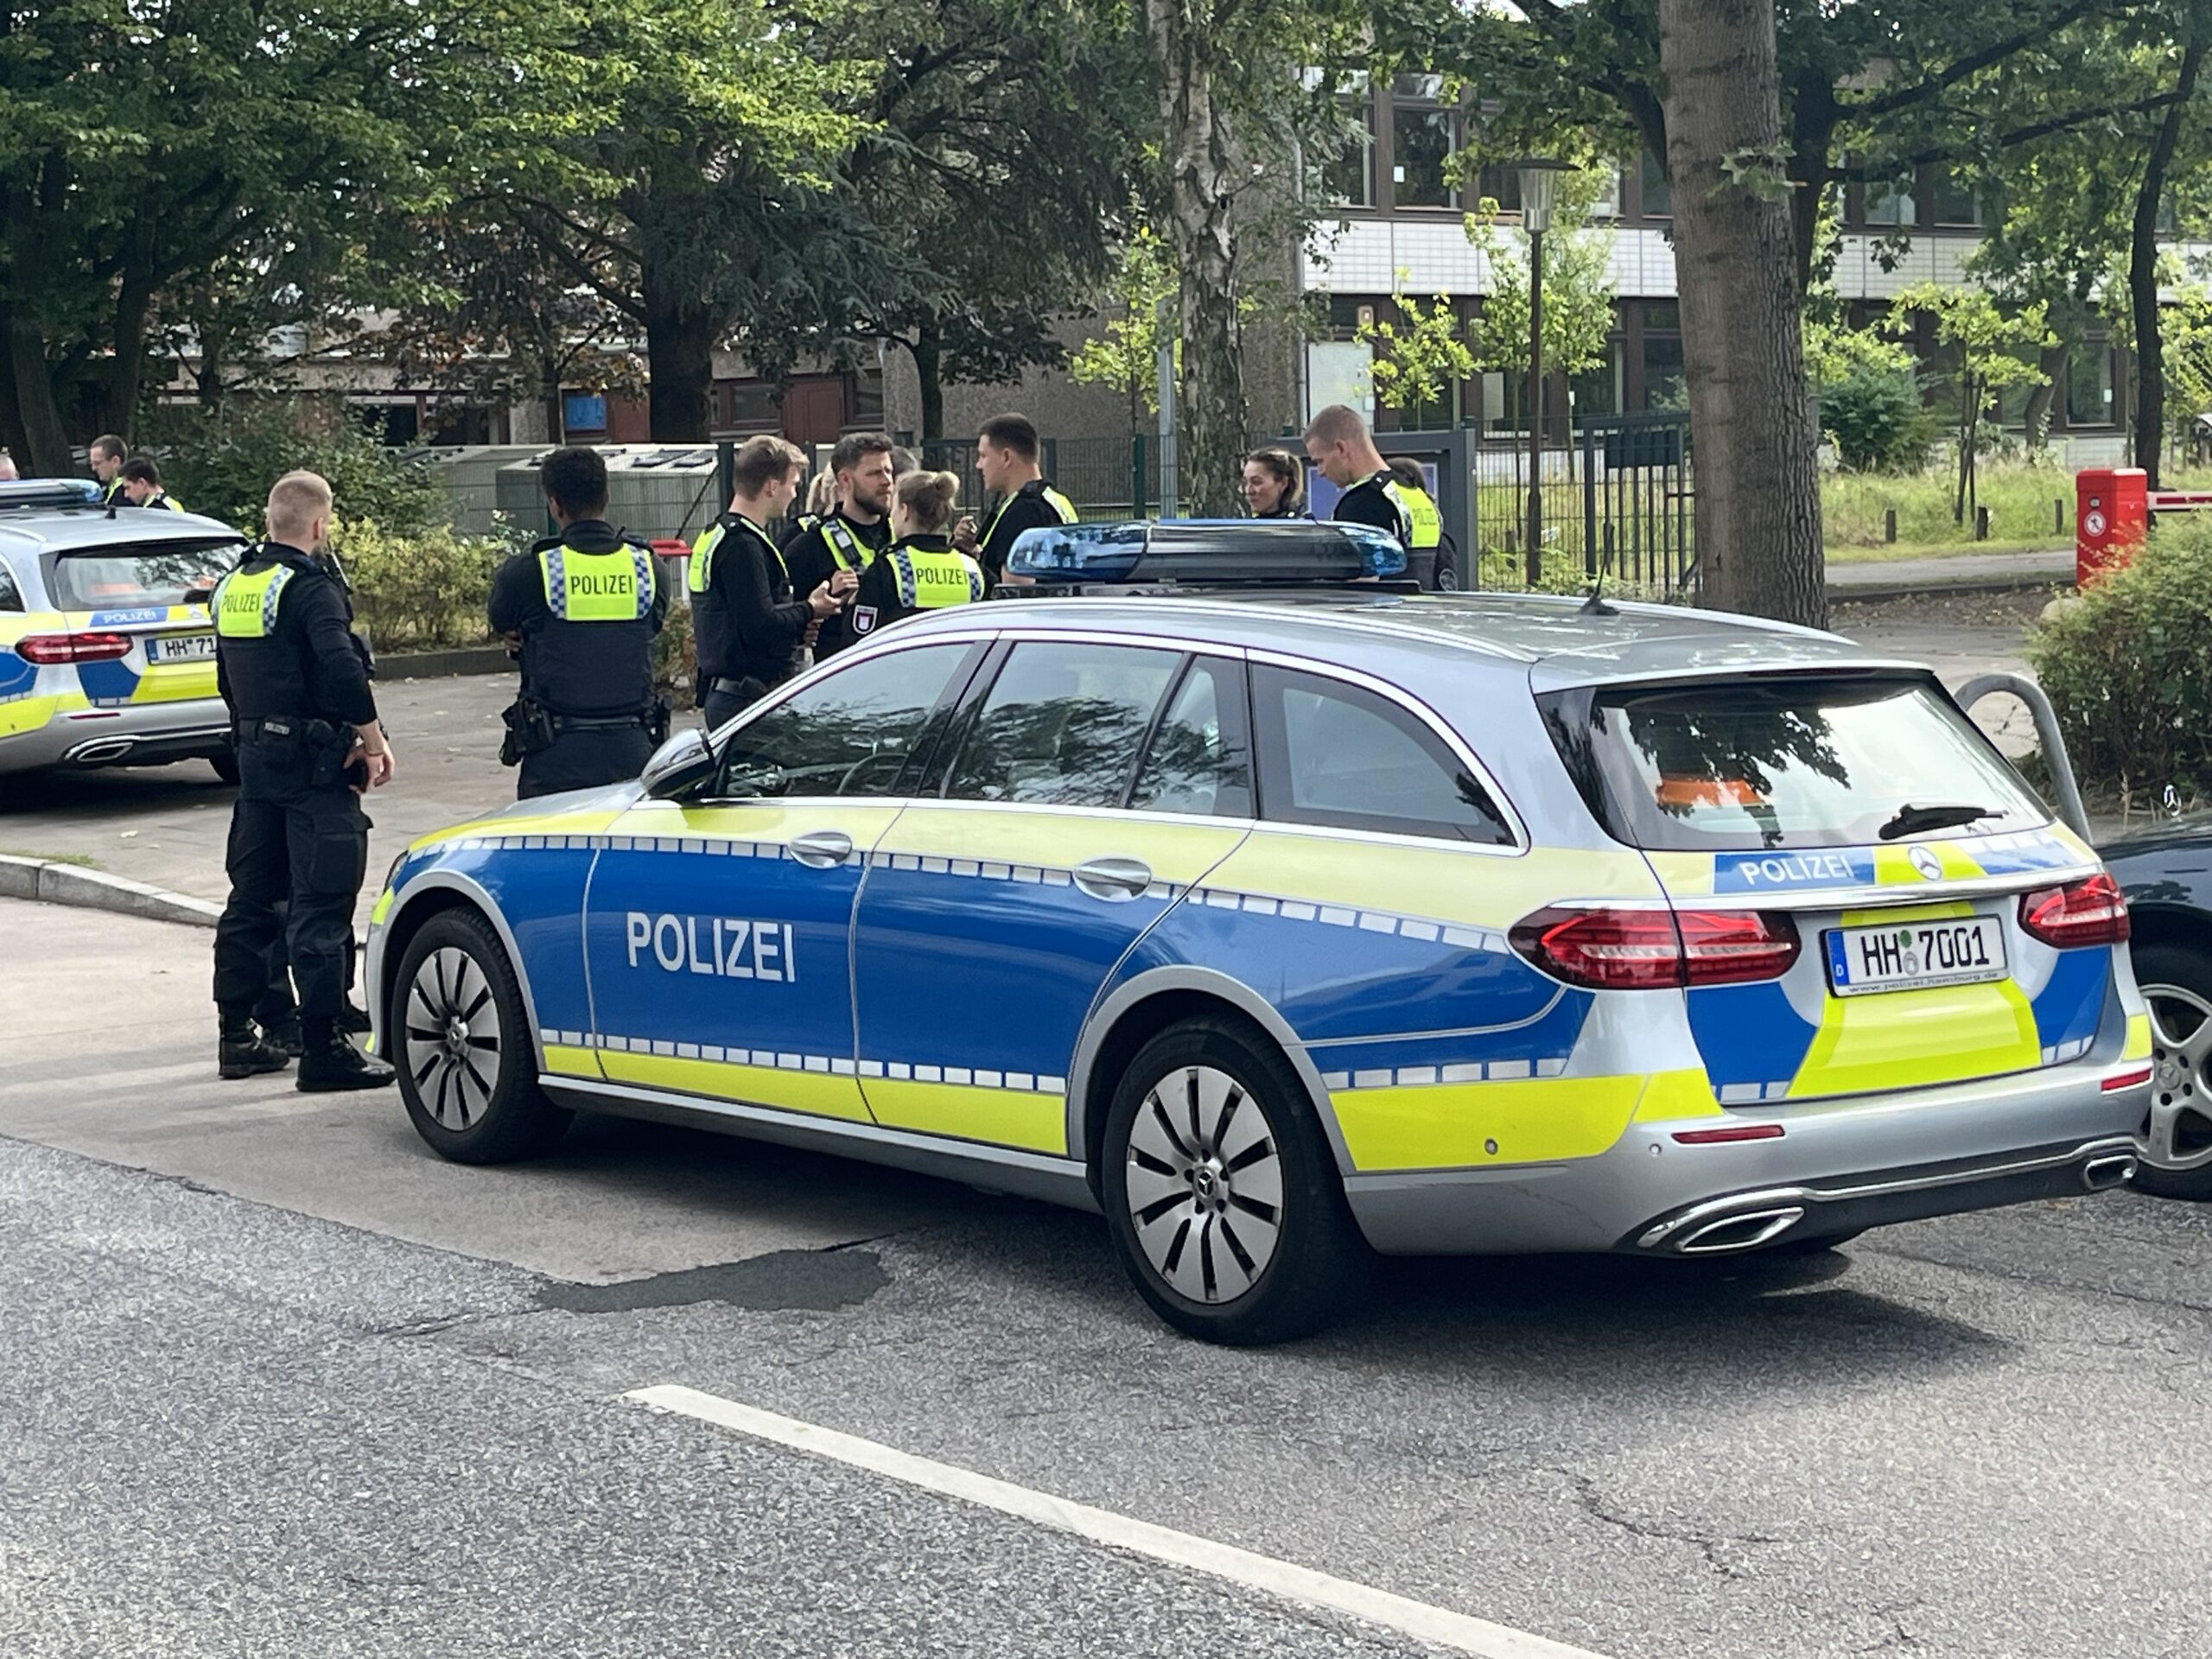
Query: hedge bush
x=2128, y=666
x=1878, y=420
x=423, y=590
x=222, y=463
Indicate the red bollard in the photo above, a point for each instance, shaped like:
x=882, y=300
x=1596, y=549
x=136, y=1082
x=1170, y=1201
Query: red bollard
x=2111, y=517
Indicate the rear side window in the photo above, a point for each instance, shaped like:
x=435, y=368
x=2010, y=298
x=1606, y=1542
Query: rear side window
x=137, y=578
x=1340, y=756
x=1764, y=765
x=11, y=596
x=1063, y=724
x=1199, y=761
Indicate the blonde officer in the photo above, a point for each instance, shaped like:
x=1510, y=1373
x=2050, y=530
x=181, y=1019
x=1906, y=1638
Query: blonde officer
x=921, y=570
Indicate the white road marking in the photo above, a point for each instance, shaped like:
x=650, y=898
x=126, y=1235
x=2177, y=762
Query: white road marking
x=1439, y=1626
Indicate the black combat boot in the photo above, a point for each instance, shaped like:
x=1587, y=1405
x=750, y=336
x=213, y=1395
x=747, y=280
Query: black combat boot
x=352, y=1021
x=284, y=1032
x=241, y=1052
x=331, y=1064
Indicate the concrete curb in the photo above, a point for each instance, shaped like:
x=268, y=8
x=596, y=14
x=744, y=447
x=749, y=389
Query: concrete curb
x=65, y=884
x=1840, y=593
x=445, y=664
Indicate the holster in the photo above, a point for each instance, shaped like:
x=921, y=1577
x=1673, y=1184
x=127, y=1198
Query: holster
x=530, y=730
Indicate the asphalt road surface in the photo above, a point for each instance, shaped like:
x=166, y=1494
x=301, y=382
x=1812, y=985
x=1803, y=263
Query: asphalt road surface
x=273, y=1381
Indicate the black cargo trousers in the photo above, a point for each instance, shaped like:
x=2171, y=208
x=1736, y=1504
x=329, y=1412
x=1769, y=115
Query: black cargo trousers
x=299, y=850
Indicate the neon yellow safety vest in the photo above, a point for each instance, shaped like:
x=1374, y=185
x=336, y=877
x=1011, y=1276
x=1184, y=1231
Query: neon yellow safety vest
x=168, y=501
x=850, y=552
x=1423, y=525
x=1054, y=499
x=246, y=602
x=701, y=575
x=615, y=587
x=931, y=578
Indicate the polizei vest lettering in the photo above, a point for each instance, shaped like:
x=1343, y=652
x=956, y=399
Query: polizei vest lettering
x=619, y=583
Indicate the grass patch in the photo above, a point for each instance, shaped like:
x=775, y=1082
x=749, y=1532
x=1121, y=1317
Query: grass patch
x=1892, y=552
x=2029, y=506
x=80, y=860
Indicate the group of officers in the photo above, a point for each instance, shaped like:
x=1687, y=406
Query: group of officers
x=580, y=610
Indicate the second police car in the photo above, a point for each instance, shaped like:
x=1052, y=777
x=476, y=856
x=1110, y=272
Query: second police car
x=1287, y=923
x=107, y=657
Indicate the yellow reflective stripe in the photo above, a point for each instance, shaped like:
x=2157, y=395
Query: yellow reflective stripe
x=28, y=713
x=571, y=1062
x=1893, y=865
x=700, y=573
x=2139, y=1038
x=1060, y=505
x=493, y=831
x=1916, y=1039
x=1003, y=1117
x=382, y=908
x=1424, y=524
x=815, y=1093
x=847, y=550
x=1041, y=838
x=1904, y=913
x=1671, y=1095
x=613, y=587
x=931, y=578
x=1451, y=1126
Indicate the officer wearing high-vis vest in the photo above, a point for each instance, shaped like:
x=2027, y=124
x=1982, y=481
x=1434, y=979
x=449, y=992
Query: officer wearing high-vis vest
x=304, y=725
x=921, y=570
x=1007, y=450
x=142, y=485
x=581, y=609
x=749, y=629
x=1339, y=443
x=850, y=538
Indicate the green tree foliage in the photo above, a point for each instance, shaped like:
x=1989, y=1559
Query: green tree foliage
x=1868, y=385
x=222, y=461
x=1124, y=355
x=1419, y=355
x=1992, y=348
x=1578, y=282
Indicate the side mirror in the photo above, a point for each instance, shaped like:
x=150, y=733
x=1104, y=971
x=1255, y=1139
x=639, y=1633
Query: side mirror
x=686, y=760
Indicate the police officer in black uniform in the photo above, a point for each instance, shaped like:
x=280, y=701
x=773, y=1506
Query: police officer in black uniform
x=1008, y=455
x=309, y=742
x=581, y=608
x=750, y=630
x=847, y=540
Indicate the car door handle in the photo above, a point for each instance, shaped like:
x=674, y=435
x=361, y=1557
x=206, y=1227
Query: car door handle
x=1114, y=879
x=821, y=850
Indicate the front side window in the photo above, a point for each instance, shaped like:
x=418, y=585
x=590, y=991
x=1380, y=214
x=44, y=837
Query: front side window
x=1341, y=757
x=1199, y=761
x=1063, y=724
x=861, y=731
x=11, y=596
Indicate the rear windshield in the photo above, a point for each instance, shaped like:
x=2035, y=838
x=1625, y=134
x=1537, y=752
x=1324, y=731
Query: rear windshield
x=139, y=578
x=1782, y=763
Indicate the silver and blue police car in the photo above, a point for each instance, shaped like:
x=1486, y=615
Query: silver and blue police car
x=1287, y=920
x=107, y=657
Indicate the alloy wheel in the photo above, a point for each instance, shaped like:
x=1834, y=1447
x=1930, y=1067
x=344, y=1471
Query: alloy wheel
x=1206, y=1185
x=2180, y=1081
x=453, y=1038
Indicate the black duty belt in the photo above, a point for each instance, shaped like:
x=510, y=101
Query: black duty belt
x=283, y=728
x=609, y=723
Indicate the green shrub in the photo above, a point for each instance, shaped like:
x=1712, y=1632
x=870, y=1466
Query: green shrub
x=223, y=463
x=423, y=591
x=2128, y=666
x=1878, y=420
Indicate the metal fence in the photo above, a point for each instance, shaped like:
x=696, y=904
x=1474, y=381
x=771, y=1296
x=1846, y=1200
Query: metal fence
x=1616, y=501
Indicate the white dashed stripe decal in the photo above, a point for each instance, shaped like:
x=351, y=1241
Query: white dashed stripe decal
x=1422, y=1077
x=1023, y=1083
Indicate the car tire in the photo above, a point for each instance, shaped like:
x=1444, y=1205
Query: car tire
x=459, y=1034
x=1221, y=1190
x=2177, y=982
x=227, y=766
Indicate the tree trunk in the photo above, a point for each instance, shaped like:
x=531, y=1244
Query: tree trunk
x=2142, y=274
x=35, y=414
x=2036, y=419
x=1755, y=454
x=556, y=411
x=1202, y=231
x=928, y=349
x=680, y=335
x=126, y=369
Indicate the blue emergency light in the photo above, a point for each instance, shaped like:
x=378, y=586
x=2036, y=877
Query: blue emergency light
x=1208, y=552
x=49, y=492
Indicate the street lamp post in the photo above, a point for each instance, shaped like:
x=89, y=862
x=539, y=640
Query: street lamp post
x=1539, y=191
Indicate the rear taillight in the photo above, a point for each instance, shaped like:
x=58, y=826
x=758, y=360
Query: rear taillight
x=2094, y=911
x=48, y=649
x=1654, y=950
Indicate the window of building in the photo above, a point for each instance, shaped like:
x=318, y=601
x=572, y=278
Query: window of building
x=1598, y=391
x=1608, y=204
x=1665, y=385
x=583, y=412
x=2089, y=395
x=1501, y=184
x=1955, y=203
x=1423, y=135
x=1658, y=195
x=1348, y=177
x=1890, y=203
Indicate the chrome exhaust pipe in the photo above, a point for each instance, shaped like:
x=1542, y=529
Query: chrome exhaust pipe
x=101, y=750
x=2113, y=1169
x=1746, y=1230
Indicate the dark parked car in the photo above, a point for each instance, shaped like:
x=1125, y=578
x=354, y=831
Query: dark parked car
x=2167, y=874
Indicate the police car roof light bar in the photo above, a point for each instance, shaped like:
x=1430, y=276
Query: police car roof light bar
x=49, y=492
x=1206, y=552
